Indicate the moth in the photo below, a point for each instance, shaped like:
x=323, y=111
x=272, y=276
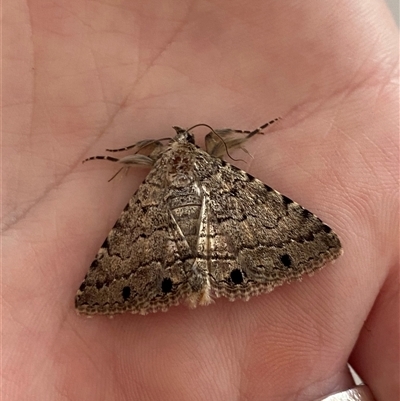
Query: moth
x=200, y=228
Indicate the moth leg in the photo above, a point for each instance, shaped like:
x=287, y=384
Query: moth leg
x=146, y=153
x=140, y=160
x=219, y=142
x=145, y=146
x=127, y=162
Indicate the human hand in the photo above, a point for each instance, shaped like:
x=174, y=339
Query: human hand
x=80, y=77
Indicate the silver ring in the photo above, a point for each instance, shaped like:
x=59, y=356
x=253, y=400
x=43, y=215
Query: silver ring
x=358, y=393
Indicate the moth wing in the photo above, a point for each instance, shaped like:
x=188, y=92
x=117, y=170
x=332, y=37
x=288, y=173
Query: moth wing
x=143, y=265
x=256, y=238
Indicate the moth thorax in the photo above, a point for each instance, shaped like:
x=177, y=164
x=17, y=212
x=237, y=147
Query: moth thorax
x=179, y=180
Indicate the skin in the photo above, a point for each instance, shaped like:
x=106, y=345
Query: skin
x=83, y=76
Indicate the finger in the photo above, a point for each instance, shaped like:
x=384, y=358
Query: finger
x=376, y=354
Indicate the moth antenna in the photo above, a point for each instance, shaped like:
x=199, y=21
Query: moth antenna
x=219, y=136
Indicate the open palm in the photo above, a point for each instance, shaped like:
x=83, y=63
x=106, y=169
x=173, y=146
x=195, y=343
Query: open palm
x=80, y=77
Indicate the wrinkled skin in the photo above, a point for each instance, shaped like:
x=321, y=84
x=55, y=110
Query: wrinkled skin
x=83, y=76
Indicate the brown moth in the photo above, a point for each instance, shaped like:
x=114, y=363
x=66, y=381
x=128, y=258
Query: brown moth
x=199, y=228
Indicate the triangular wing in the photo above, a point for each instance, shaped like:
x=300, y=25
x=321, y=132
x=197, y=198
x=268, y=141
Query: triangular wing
x=254, y=238
x=145, y=263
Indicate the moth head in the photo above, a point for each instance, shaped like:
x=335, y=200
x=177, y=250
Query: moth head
x=183, y=135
